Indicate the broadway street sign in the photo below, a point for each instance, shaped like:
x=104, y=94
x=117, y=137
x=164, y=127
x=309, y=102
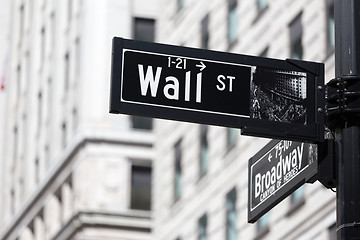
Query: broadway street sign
x=276, y=171
x=264, y=97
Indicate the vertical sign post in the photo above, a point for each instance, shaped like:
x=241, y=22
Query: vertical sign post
x=344, y=117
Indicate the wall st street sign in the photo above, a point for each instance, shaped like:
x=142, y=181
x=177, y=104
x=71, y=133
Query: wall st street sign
x=264, y=97
x=276, y=171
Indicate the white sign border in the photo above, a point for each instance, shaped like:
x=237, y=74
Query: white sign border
x=173, y=107
x=251, y=180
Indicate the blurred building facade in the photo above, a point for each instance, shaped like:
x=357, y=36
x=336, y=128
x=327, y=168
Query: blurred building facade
x=69, y=169
x=201, y=172
x=5, y=7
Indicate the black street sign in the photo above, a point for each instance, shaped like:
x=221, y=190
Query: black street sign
x=276, y=171
x=264, y=97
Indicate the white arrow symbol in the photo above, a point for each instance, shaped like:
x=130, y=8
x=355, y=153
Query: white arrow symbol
x=202, y=66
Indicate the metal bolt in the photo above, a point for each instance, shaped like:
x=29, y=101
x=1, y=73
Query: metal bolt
x=320, y=110
x=320, y=88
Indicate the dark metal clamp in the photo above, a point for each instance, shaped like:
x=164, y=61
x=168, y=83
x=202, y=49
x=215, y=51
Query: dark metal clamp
x=343, y=101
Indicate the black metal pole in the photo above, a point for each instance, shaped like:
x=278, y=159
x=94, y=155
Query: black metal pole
x=347, y=71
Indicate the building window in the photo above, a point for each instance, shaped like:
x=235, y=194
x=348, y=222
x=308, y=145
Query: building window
x=37, y=170
x=144, y=29
x=140, y=188
x=143, y=123
x=231, y=137
x=19, y=81
x=264, y=52
x=75, y=119
x=77, y=57
x=59, y=199
x=296, y=48
x=297, y=199
x=53, y=29
x=202, y=225
x=12, y=200
x=47, y=156
x=67, y=72
x=262, y=5
x=231, y=215
x=21, y=22
x=205, y=32
x=204, y=149
x=69, y=191
x=49, y=110
x=43, y=45
x=180, y=4
x=69, y=11
x=64, y=134
x=31, y=227
x=28, y=71
x=178, y=171
x=232, y=22
x=262, y=225
x=297, y=196
x=40, y=229
x=24, y=138
x=21, y=187
x=40, y=111
x=16, y=143
x=330, y=26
